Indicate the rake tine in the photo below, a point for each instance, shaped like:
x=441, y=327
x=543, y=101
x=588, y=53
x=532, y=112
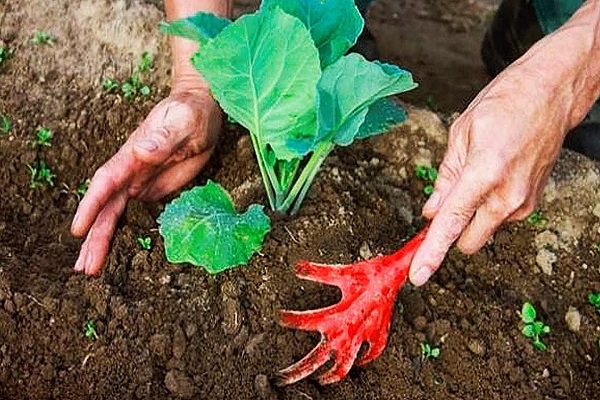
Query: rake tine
x=306, y=366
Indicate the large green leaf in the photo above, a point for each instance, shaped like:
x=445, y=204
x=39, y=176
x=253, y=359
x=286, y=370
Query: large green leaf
x=202, y=227
x=334, y=25
x=199, y=27
x=382, y=115
x=263, y=70
x=348, y=89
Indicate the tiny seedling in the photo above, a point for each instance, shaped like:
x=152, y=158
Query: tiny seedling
x=428, y=175
x=537, y=219
x=82, y=189
x=594, y=299
x=5, y=124
x=429, y=352
x=110, y=85
x=533, y=329
x=89, y=330
x=146, y=63
x=145, y=242
x=41, y=175
x=43, y=138
x=133, y=87
x=5, y=54
x=597, y=246
x=42, y=38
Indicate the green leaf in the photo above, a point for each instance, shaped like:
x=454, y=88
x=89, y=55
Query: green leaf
x=334, y=25
x=538, y=326
x=202, y=227
x=528, y=313
x=199, y=27
x=435, y=352
x=382, y=115
x=538, y=344
x=594, y=299
x=263, y=70
x=348, y=89
x=528, y=331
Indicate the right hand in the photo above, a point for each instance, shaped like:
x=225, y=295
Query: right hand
x=168, y=150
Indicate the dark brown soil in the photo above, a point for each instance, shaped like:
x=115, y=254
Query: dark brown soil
x=174, y=332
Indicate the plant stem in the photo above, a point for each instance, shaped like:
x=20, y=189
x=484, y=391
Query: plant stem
x=300, y=188
x=265, y=176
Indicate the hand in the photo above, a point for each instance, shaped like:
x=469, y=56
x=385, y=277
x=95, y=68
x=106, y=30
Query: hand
x=163, y=154
x=500, y=154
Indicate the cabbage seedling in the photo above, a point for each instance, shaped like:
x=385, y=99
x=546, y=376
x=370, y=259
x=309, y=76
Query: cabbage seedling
x=533, y=329
x=82, y=189
x=110, y=85
x=5, y=124
x=89, y=330
x=43, y=138
x=429, y=352
x=282, y=73
x=594, y=299
x=43, y=38
x=145, y=242
x=41, y=175
x=146, y=63
x=537, y=219
x=429, y=176
x=133, y=87
x=5, y=54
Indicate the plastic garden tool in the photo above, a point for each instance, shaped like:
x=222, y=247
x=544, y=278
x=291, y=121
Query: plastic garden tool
x=363, y=315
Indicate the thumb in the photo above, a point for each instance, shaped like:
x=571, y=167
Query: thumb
x=155, y=146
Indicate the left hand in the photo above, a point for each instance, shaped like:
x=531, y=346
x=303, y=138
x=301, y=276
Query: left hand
x=500, y=154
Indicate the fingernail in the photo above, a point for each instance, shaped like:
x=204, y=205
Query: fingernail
x=88, y=261
x=420, y=277
x=148, y=145
x=75, y=219
x=78, y=265
x=433, y=201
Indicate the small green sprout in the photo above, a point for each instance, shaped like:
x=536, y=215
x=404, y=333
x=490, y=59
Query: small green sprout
x=597, y=247
x=428, y=175
x=82, y=189
x=5, y=54
x=110, y=85
x=429, y=352
x=5, y=124
x=537, y=219
x=41, y=175
x=594, y=299
x=43, y=138
x=43, y=38
x=533, y=329
x=133, y=86
x=145, y=242
x=89, y=330
x=146, y=63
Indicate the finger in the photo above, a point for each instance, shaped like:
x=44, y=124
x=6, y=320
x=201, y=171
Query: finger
x=108, y=180
x=449, y=170
x=452, y=218
x=97, y=244
x=486, y=221
x=176, y=176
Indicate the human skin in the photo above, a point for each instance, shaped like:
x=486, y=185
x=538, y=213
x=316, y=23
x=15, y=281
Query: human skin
x=501, y=150
x=164, y=153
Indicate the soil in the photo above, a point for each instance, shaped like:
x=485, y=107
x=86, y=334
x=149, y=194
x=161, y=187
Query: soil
x=167, y=332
